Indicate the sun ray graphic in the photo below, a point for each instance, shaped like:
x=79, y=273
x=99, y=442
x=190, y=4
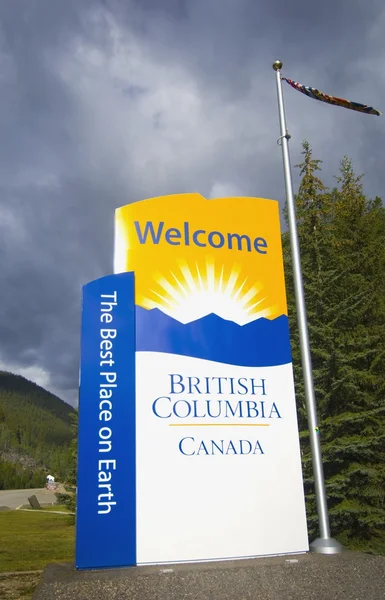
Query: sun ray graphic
x=188, y=293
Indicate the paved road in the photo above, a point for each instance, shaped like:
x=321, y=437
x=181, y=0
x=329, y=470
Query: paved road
x=15, y=498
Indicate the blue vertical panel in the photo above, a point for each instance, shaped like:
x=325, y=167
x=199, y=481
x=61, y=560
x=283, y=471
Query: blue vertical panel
x=106, y=496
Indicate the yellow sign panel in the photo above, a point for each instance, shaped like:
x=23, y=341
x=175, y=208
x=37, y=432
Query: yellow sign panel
x=193, y=256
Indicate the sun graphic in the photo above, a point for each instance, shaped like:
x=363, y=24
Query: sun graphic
x=188, y=293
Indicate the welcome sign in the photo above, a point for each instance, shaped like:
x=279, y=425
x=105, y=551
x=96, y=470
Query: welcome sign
x=212, y=464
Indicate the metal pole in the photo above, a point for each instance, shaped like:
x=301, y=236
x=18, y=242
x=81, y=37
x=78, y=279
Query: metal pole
x=325, y=544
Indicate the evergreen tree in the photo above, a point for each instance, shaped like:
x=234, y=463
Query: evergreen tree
x=73, y=463
x=342, y=238
x=354, y=407
x=314, y=217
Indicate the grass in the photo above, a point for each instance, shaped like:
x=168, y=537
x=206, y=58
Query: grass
x=29, y=541
x=54, y=507
x=60, y=507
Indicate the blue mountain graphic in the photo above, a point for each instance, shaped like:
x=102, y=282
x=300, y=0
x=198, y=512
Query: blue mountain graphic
x=262, y=343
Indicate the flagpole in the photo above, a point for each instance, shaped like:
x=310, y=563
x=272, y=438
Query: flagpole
x=324, y=544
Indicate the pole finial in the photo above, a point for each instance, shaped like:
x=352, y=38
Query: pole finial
x=277, y=65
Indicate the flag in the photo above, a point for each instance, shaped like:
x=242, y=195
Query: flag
x=317, y=95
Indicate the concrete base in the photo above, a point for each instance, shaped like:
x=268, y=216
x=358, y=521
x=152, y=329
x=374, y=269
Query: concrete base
x=309, y=576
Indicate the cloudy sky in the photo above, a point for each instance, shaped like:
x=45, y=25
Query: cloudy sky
x=105, y=102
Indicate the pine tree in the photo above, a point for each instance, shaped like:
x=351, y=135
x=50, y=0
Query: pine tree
x=72, y=463
x=314, y=217
x=353, y=410
x=343, y=262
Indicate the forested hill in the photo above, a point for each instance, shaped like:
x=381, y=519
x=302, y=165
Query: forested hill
x=35, y=433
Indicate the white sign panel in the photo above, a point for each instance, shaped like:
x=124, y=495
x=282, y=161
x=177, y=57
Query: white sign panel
x=218, y=469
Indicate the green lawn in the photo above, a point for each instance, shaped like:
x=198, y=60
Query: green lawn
x=54, y=507
x=29, y=541
x=59, y=507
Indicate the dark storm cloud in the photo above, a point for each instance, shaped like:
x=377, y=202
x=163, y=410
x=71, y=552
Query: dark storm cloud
x=103, y=103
